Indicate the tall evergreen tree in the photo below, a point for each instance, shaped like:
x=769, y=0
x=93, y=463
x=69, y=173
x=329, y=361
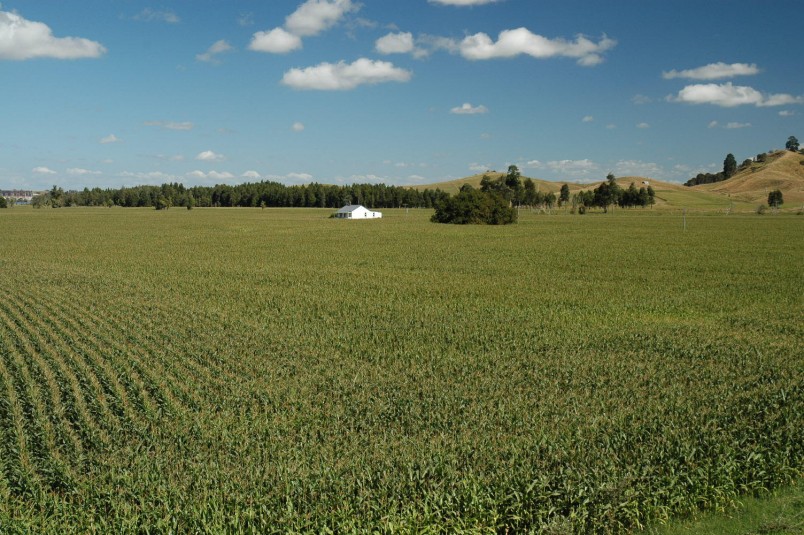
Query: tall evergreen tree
x=729, y=166
x=564, y=196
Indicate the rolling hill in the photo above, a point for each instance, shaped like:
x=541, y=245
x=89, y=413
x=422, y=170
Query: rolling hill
x=784, y=171
x=743, y=192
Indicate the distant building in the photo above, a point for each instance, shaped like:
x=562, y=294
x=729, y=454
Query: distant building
x=355, y=211
x=18, y=195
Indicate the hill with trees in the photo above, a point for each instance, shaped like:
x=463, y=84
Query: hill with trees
x=780, y=170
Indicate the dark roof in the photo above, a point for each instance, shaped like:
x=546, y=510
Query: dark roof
x=349, y=208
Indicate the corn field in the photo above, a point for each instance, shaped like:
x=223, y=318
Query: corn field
x=275, y=371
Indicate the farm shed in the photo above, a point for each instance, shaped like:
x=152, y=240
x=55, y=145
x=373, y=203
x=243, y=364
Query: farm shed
x=356, y=211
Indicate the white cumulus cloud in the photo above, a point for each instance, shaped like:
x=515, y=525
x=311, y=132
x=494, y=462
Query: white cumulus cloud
x=395, y=43
x=714, y=71
x=43, y=171
x=209, y=156
x=22, y=39
x=277, y=41
x=343, y=76
x=253, y=175
x=297, y=127
x=511, y=43
x=310, y=18
x=468, y=109
x=111, y=138
x=212, y=53
x=315, y=16
x=643, y=126
x=588, y=119
x=728, y=96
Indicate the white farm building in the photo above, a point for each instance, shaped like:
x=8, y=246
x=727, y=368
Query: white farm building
x=356, y=211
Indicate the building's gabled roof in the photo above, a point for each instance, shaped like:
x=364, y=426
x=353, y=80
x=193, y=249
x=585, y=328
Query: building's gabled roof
x=349, y=208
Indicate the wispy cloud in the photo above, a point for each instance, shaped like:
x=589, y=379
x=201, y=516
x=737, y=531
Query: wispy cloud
x=43, y=171
x=714, y=71
x=213, y=52
x=573, y=167
x=212, y=175
x=479, y=167
x=149, y=177
x=111, y=138
x=468, y=109
x=297, y=127
x=154, y=15
x=246, y=19
x=171, y=125
x=77, y=171
x=463, y=2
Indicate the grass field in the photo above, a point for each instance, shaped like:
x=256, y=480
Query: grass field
x=256, y=371
x=781, y=513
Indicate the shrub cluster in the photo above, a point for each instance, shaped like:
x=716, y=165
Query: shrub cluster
x=471, y=206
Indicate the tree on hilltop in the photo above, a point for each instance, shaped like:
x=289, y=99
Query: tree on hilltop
x=792, y=144
x=729, y=166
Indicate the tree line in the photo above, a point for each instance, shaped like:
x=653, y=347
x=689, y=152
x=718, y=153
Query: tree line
x=260, y=194
x=516, y=191
x=609, y=193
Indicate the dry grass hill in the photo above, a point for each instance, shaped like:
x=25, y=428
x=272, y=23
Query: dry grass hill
x=745, y=191
x=783, y=171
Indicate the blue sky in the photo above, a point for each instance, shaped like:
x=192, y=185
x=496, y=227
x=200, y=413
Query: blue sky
x=123, y=92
